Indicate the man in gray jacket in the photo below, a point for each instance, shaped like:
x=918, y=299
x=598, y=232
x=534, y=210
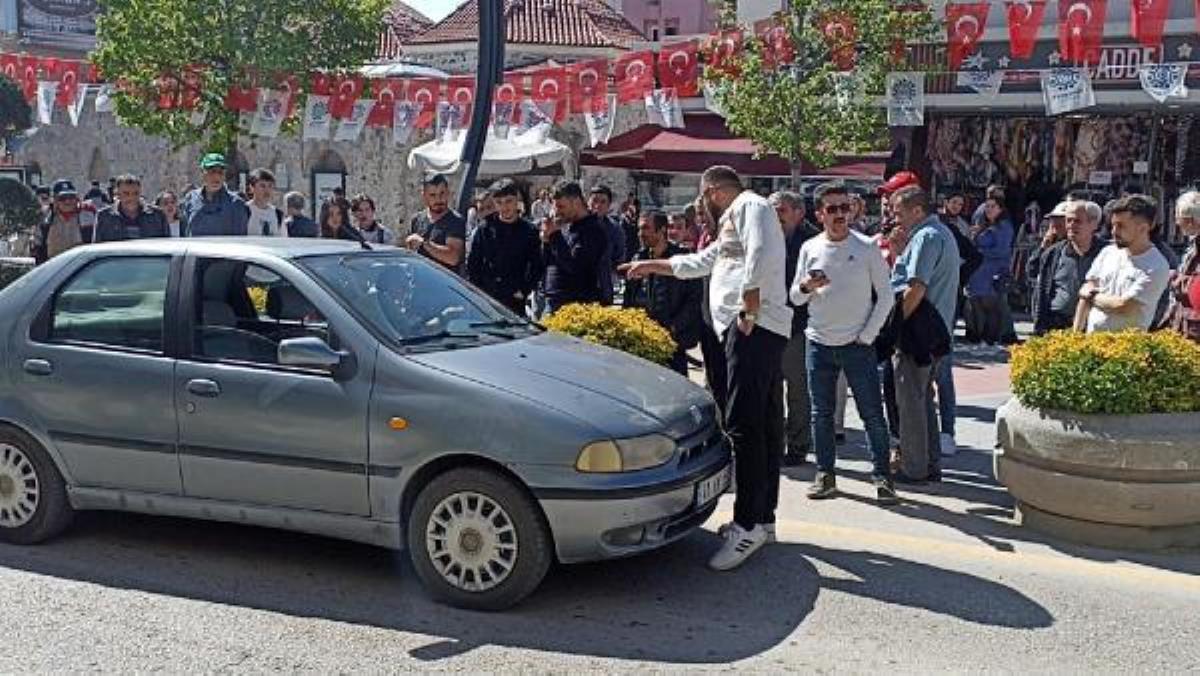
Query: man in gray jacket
x=211, y=210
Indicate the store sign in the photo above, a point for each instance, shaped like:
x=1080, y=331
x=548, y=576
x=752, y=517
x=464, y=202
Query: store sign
x=61, y=23
x=1100, y=178
x=1123, y=62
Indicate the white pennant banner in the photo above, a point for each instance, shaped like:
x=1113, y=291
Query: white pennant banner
x=987, y=83
x=847, y=87
x=906, y=99
x=600, y=123
x=535, y=122
x=503, y=113
x=318, y=123
x=104, y=102
x=46, y=91
x=662, y=106
x=404, y=120
x=351, y=127
x=1163, y=81
x=197, y=118
x=449, y=122
x=75, y=109
x=272, y=108
x=711, y=101
x=1067, y=89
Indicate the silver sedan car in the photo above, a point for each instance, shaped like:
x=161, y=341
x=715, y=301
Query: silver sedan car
x=362, y=394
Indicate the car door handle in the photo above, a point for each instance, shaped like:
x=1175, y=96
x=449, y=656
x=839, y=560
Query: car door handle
x=204, y=388
x=38, y=367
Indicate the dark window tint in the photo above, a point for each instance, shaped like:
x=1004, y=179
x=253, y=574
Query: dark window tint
x=117, y=302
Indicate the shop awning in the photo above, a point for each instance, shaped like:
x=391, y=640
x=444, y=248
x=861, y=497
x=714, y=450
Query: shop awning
x=501, y=157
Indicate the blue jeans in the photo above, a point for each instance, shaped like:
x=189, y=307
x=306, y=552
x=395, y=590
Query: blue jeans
x=946, y=399
x=859, y=363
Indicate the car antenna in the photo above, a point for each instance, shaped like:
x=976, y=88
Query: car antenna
x=357, y=236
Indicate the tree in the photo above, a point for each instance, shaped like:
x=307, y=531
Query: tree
x=18, y=207
x=202, y=50
x=823, y=97
x=15, y=114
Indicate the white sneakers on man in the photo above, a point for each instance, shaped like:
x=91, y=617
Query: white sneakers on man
x=949, y=447
x=739, y=545
x=723, y=531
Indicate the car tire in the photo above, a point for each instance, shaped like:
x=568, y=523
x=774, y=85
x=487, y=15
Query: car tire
x=33, y=496
x=479, y=518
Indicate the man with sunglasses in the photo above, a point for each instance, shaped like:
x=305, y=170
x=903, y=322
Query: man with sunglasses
x=748, y=299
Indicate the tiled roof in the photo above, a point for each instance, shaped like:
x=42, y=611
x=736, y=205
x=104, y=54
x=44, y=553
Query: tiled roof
x=565, y=23
x=400, y=24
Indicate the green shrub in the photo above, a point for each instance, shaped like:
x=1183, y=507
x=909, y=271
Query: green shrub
x=18, y=208
x=1109, y=373
x=630, y=331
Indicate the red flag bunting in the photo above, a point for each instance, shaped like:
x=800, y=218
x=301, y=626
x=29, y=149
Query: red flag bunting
x=1149, y=19
x=778, y=48
x=461, y=90
x=387, y=93
x=964, y=27
x=427, y=93
x=1024, y=22
x=548, y=85
x=320, y=84
x=679, y=68
x=346, y=90
x=588, y=83
x=1081, y=29
x=841, y=35
x=68, y=82
x=512, y=90
x=634, y=73
x=723, y=50
x=243, y=96
x=28, y=77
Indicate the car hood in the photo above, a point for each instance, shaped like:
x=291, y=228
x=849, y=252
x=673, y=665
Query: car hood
x=617, y=393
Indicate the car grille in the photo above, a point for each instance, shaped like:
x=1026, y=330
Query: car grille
x=693, y=449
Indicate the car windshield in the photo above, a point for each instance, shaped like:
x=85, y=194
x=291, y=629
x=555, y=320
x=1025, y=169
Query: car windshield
x=412, y=303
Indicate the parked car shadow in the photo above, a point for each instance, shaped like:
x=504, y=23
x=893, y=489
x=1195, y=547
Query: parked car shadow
x=664, y=606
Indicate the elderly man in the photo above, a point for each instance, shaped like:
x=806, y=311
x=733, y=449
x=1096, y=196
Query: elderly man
x=130, y=217
x=212, y=210
x=65, y=227
x=1184, y=314
x=1062, y=266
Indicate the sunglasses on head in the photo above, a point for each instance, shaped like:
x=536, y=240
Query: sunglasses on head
x=832, y=209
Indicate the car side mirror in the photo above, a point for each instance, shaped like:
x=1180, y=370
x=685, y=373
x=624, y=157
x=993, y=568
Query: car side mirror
x=311, y=353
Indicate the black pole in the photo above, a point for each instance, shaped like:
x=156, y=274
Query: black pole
x=491, y=69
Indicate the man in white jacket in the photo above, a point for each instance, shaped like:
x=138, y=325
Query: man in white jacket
x=842, y=278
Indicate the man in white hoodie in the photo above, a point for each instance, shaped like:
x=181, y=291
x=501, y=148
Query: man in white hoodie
x=843, y=280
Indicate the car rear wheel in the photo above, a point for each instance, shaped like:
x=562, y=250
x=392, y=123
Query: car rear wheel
x=33, y=496
x=477, y=540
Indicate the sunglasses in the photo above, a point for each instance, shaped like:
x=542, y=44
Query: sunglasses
x=833, y=209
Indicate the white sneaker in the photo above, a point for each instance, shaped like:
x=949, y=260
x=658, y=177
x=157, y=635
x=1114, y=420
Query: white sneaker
x=949, y=447
x=739, y=545
x=723, y=531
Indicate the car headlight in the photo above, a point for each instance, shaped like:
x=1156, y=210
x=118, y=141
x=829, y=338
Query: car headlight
x=625, y=455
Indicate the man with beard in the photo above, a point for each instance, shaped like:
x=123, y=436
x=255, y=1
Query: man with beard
x=748, y=299
x=505, y=256
x=1126, y=281
x=439, y=233
x=600, y=203
x=573, y=246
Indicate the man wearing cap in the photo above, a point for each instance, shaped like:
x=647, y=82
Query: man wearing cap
x=212, y=210
x=1061, y=266
x=65, y=227
x=130, y=217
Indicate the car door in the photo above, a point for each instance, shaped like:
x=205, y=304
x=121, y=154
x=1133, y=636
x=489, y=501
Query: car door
x=251, y=430
x=95, y=371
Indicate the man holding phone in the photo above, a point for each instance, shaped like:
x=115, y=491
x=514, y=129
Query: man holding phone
x=843, y=281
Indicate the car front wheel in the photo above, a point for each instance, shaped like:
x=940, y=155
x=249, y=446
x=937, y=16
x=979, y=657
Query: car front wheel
x=477, y=540
x=33, y=497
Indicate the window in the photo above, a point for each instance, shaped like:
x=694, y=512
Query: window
x=118, y=302
x=244, y=311
x=671, y=27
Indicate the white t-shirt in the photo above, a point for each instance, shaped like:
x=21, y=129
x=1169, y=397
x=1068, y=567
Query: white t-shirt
x=843, y=312
x=264, y=221
x=1143, y=278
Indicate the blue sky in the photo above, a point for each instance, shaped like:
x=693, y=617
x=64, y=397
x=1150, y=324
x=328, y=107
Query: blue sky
x=434, y=9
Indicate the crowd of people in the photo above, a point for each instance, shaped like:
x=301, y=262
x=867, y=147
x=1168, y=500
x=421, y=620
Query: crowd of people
x=788, y=313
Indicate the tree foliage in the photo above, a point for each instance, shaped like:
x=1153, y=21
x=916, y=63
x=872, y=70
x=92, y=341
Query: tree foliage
x=15, y=113
x=18, y=207
x=223, y=44
x=811, y=109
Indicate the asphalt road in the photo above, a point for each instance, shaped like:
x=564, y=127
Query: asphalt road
x=944, y=582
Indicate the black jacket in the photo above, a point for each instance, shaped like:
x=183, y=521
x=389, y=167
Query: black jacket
x=505, y=259
x=802, y=234
x=673, y=303
x=1042, y=275
x=572, y=261
x=967, y=252
x=923, y=336
x=114, y=226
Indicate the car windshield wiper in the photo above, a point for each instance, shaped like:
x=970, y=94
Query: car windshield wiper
x=438, y=337
x=495, y=327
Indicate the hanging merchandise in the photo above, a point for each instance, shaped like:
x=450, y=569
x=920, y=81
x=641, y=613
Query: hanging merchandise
x=426, y=93
x=841, y=35
x=1149, y=18
x=662, y=106
x=1081, y=29
x=404, y=120
x=587, y=85
x=1164, y=81
x=318, y=123
x=350, y=128
x=344, y=96
x=549, y=86
x=387, y=93
x=722, y=52
x=679, y=68
x=272, y=109
x=906, y=99
x=47, y=90
x=985, y=82
x=634, y=75
x=600, y=122
x=1067, y=89
x=964, y=28
x=1024, y=21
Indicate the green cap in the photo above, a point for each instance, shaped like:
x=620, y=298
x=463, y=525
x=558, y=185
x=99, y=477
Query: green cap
x=212, y=160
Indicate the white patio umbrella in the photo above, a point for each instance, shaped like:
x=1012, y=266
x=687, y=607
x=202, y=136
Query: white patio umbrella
x=501, y=157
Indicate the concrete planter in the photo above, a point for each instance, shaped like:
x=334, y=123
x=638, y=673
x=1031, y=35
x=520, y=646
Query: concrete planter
x=1129, y=482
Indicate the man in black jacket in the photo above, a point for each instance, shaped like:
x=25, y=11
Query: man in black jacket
x=129, y=217
x=505, y=256
x=1061, y=268
x=673, y=303
x=573, y=246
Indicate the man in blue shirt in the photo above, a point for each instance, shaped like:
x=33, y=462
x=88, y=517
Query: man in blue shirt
x=926, y=271
x=211, y=210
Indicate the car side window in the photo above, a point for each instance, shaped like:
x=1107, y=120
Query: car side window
x=116, y=302
x=244, y=311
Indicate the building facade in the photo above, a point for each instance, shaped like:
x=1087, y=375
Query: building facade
x=659, y=20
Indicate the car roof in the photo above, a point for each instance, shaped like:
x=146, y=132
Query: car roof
x=268, y=247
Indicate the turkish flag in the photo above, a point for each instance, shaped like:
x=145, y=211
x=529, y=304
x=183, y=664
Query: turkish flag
x=1081, y=29
x=549, y=85
x=243, y=97
x=679, y=68
x=723, y=51
x=28, y=77
x=512, y=90
x=1024, y=22
x=346, y=90
x=840, y=35
x=284, y=83
x=461, y=91
x=320, y=84
x=67, y=74
x=10, y=67
x=1149, y=19
x=634, y=73
x=427, y=93
x=387, y=93
x=964, y=28
x=587, y=85
x=778, y=48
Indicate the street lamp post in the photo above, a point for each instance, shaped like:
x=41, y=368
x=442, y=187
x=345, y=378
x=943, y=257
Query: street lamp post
x=488, y=75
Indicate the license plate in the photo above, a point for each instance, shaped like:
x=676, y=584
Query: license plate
x=713, y=487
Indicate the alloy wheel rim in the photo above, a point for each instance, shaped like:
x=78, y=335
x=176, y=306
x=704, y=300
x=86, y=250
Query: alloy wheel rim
x=20, y=489
x=471, y=541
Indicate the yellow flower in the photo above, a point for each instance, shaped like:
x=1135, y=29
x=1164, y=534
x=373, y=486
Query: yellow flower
x=629, y=330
